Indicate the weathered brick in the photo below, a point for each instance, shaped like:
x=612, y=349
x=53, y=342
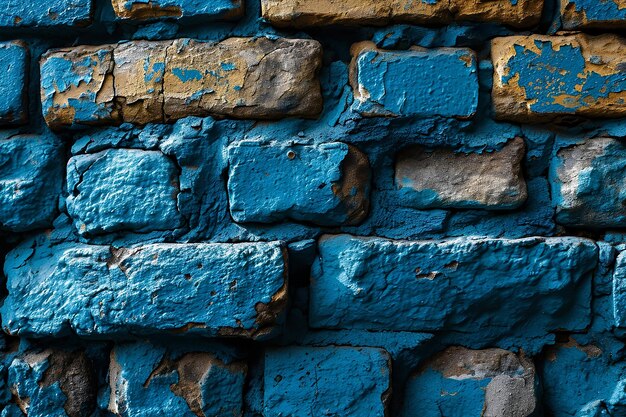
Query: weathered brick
x=209, y=289
x=13, y=83
x=256, y=78
x=77, y=86
x=31, y=180
x=588, y=182
x=304, y=13
x=152, y=9
x=147, y=380
x=441, y=178
x=576, y=14
x=138, y=74
x=35, y=13
x=592, y=376
x=412, y=83
x=346, y=381
x=123, y=189
x=542, y=78
x=460, y=382
x=619, y=291
x=533, y=285
x=53, y=383
x=326, y=184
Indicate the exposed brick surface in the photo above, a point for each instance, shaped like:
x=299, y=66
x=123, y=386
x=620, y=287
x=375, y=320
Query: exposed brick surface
x=308, y=208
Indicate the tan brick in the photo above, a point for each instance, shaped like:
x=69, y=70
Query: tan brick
x=154, y=9
x=139, y=70
x=304, y=13
x=243, y=77
x=77, y=86
x=155, y=81
x=489, y=180
x=542, y=78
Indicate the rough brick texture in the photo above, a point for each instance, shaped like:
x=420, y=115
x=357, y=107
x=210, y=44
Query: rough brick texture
x=303, y=13
x=470, y=184
x=312, y=208
x=154, y=9
x=145, y=379
x=577, y=14
x=171, y=288
x=37, y=13
x=388, y=83
x=333, y=380
x=327, y=184
x=31, y=180
x=13, y=81
x=145, y=82
x=539, y=78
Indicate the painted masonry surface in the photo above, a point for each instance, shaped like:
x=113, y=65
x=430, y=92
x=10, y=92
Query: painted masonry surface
x=309, y=208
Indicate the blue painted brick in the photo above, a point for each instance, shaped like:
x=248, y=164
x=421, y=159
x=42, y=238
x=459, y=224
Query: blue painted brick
x=31, y=179
x=576, y=14
x=489, y=180
x=619, y=291
x=460, y=382
x=424, y=82
x=210, y=289
x=541, y=78
x=13, y=82
x=588, y=182
x=592, y=374
x=326, y=184
x=147, y=380
x=123, y=189
x=533, y=285
x=152, y=9
x=53, y=383
x=37, y=13
x=340, y=381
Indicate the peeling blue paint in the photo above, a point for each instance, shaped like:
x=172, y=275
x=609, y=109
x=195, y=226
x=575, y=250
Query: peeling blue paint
x=186, y=75
x=412, y=83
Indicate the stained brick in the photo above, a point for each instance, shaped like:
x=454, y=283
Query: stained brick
x=145, y=379
x=588, y=181
x=53, y=382
x=541, y=78
x=367, y=283
x=255, y=78
x=77, y=86
x=462, y=382
x=13, y=83
x=576, y=14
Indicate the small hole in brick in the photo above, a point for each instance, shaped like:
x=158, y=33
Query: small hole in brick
x=291, y=154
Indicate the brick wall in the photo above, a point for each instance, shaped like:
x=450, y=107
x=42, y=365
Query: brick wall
x=307, y=208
